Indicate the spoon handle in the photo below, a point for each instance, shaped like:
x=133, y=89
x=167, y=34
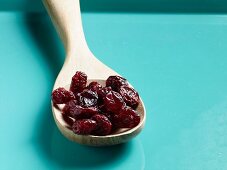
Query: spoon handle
x=66, y=16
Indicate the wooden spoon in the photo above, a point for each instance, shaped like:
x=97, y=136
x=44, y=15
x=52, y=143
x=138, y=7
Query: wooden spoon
x=66, y=17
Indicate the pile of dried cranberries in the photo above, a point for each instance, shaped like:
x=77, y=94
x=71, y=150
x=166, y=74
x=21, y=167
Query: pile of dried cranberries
x=98, y=110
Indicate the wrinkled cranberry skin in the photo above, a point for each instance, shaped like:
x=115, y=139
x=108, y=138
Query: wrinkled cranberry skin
x=84, y=126
x=113, y=102
x=69, y=106
x=115, y=82
x=104, y=126
x=97, y=110
x=105, y=112
x=87, y=98
x=61, y=96
x=78, y=112
x=78, y=83
x=130, y=96
x=94, y=86
x=109, y=115
x=127, y=118
x=102, y=94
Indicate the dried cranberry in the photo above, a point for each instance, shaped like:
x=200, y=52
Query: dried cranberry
x=95, y=109
x=87, y=98
x=104, y=126
x=78, y=112
x=60, y=96
x=127, y=118
x=68, y=120
x=94, y=86
x=84, y=126
x=108, y=115
x=113, y=102
x=104, y=111
x=130, y=96
x=68, y=108
x=116, y=82
x=78, y=83
x=102, y=94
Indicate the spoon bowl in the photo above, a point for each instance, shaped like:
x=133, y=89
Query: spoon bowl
x=116, y=137
x=66, y=17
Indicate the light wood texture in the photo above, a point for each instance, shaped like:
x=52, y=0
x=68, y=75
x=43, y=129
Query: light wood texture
x=66, y=17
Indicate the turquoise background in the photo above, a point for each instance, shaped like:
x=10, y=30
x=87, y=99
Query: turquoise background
x=177, y=62
x=144, y=6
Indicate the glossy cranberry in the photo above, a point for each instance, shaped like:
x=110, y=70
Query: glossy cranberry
x=87, y=98
x=127, y=118
x=97, y=110
x=102, y=94
x=84, y=126
x=60, y=96
x=130, y=96
x=113, y=102
x=115, y=82
x=78, y=112
x=78, y=83
x=103, y=127
x=94, y=86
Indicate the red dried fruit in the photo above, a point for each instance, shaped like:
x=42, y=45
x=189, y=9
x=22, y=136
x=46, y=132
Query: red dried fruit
x=115, y=82
x=68, y=120
x=87, y=98
x=108, y=115
x=102, y=94
x=84, y=126
x=95, y=109
x=94, y=86
x=130, y=96
x=78, y=83
x=127, y=118
x=113, y=102
x=61, y=96
x=105, y=112
x=68, y=108
x=104, y=126
x=75, y=111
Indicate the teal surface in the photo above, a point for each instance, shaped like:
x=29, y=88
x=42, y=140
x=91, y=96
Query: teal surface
x=144, y=6
x=177, y=63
